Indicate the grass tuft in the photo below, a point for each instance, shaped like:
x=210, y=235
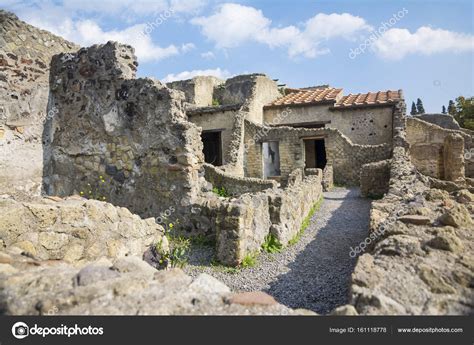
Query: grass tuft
x=306, y=221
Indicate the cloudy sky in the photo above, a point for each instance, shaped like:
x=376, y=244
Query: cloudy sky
x=423, y=47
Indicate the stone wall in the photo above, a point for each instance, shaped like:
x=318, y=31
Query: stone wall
x=199, y=90
x=443, y=120
x=428, y=149
x=127, y=286
x=345, y=157
x=235, y=185
x=220, y=119
x=374, y=179
x=243, y=223
x=74, y=230
x=25, y=56
x=131, y=133
x=417, y=252
x=290, y=206
x=253, y=91
x=364, y=126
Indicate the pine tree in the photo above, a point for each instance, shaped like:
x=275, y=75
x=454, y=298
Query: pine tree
x=413, y=109
x=443, y=110
x=451, y=108
x=419, y=106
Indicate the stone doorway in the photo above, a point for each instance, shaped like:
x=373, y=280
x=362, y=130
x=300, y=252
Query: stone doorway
x=315, y=153
x=212, y=147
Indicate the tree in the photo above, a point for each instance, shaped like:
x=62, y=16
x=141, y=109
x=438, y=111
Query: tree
x=413, y=109
x=419, y=106
x=451, y=108
x=443, y=110
x=464, y=112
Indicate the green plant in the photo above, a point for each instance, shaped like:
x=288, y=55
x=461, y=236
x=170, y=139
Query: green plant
x=306, y=221
x=215, y=102
x=221, y=192
x=203, y=240
x=179, y=246
x=95, y=191
x=176, y=256
x=250, y=260
x=271, y=244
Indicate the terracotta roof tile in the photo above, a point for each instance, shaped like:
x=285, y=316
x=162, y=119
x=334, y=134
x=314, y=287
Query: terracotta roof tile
x=302, y=97
x=370, y=98
x=324, y=95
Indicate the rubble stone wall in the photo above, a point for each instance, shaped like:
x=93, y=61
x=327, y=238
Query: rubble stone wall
x=131, y=132
x=243, y=223
x=443, y=120
x=428, y=149
x=235, y=185
x=416, y=258
x=365, y=126
x=253, y=91
x=25, y=56
x=374, y=179
x=74, y=230
x=223, y=121
x=345, y=157
x=198, y=90
x=290, y=206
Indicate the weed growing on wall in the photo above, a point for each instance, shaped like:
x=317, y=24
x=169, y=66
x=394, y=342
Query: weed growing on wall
x=306, y=222
x=221, y=192
x=96, y=190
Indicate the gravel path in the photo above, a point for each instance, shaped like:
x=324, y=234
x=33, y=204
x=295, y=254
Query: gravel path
x=312, y=274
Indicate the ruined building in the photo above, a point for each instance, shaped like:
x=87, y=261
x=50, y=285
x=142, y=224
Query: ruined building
x=75, y=123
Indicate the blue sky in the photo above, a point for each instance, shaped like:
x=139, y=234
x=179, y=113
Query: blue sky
x=425, y=47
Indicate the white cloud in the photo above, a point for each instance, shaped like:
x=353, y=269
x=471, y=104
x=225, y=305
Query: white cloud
x=233, y=24
x=397, y=43
x=186, y=47
x=208, y=55
x=65, y=18
x=217, y=72
x=88, y=32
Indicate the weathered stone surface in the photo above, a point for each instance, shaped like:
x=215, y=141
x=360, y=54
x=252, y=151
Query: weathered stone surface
x=458, y=216
x=414, y=268
x=74, y=229
x=126, y=287
x=345, y=310
x=415, y=219
x=464, y=196
x=24, y=89
x=252, y=298
x=446, y=239
x=116, y=137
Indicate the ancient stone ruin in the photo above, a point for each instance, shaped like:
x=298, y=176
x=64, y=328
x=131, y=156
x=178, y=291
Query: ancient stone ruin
x=98, y=168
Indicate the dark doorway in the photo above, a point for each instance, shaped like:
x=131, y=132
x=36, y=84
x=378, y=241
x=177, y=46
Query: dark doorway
x=315, y=153
x=212, y=147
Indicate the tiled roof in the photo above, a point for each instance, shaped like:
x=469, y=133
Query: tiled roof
x=369, y=99
x=303, y=97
